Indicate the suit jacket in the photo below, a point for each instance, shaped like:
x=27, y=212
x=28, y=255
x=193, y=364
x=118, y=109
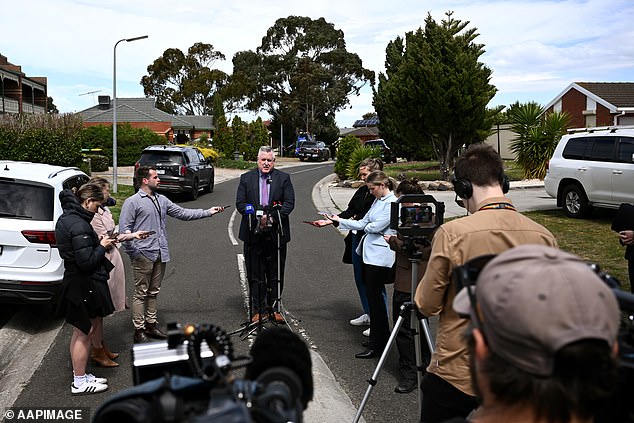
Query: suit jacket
x=280, y=190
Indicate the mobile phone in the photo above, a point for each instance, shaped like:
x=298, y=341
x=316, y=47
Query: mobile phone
x=151, y=232
x=226, y=207
x=113, y=235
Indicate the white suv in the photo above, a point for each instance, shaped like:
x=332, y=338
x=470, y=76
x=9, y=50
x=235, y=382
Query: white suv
x=592, y=168
x=31, y=269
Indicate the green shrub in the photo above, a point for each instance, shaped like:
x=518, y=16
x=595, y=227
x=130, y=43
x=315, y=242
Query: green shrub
x=358, y=155
x=52, y=139
x=346, y=146
x=130, y=141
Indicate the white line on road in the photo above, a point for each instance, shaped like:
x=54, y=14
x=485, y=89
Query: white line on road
x=232, y=238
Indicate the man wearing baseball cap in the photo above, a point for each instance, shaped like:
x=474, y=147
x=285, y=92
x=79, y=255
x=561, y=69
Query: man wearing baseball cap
x=542, y=339
x=492, y=226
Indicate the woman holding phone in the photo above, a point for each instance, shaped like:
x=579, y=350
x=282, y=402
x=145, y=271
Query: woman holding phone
x=104, y=225
x=377, y=256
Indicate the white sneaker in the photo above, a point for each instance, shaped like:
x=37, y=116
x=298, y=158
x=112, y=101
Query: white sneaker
x=93, y=378
x=88, y=388
x=366, y=332
x=363, y=320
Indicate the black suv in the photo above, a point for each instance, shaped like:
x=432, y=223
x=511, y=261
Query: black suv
x=386, y=153
x=313, y=150
x=180, y=169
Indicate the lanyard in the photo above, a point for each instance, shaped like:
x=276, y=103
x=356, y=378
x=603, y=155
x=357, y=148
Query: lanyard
x=493, y=206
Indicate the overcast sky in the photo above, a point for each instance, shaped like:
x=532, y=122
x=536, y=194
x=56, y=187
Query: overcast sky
x=535, y=48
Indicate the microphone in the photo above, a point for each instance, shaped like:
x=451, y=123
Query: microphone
x=268, y=178
x=249, y=210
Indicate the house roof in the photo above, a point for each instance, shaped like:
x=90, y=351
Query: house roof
x=615, y=96
x=620, y=94
x=144, y=110
x=360, y=132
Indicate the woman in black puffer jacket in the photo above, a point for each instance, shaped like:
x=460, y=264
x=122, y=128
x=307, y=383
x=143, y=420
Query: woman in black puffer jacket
x=85, y=295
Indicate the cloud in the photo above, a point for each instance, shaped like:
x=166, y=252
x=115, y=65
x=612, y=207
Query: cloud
x=535, y=48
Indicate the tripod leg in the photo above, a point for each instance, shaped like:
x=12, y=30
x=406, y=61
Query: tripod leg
x=374, y=378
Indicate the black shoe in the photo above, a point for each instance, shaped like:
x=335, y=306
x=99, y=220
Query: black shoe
x=368, y=353
x=405, y=387
x=140, y=336
x=153, y=331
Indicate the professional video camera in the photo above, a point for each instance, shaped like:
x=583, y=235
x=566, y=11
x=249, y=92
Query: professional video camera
x=413, y=216
x=194, y=382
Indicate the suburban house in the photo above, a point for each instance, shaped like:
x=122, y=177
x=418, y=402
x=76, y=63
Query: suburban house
x=20, y=93
x=364, y=129
x=142, y=113
x=592, y=104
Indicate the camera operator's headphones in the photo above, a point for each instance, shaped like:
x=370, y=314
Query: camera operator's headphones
x=463, y=188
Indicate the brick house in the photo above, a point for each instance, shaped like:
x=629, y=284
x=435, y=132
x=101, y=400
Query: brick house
x=20, y=93
x=142, y=113
x=592, y=104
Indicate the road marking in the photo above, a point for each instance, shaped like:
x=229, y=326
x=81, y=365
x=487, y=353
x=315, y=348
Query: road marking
x=306, y=170
x=232, y=238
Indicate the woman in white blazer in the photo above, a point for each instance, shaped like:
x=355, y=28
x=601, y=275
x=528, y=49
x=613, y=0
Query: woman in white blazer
x=377, y=256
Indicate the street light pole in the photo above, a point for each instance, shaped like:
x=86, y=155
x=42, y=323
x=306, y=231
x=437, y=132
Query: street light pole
x=114, y=110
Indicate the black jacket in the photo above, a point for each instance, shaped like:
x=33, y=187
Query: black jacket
x=281, y=190
x=86, y=268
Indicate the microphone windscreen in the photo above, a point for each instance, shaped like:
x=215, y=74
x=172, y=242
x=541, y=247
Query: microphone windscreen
x=280, y=347
x=248, y=209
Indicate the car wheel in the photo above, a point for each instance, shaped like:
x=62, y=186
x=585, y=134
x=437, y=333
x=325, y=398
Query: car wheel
x=301, y=159
x=194, y=192
x=575, y=201
x=210, y=187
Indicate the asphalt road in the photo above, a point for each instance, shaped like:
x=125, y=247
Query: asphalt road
x=202, y=285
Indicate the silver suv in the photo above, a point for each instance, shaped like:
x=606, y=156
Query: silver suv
x=592, y=168
x=31, y=270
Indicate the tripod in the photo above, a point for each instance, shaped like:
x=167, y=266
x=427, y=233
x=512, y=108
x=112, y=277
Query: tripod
x=406, y=309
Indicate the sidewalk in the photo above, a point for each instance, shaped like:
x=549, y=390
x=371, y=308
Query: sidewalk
x=331, y=198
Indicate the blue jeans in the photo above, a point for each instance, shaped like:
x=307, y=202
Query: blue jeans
x=357, y=265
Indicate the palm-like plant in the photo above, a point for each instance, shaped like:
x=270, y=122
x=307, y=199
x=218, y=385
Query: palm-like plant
x=537, y=136
x=357, y=156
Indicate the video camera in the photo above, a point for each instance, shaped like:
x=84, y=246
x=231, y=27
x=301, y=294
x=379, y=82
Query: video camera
x=187, y=379
x=413, y=216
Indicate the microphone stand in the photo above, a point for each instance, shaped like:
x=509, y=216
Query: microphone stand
x=277, y=206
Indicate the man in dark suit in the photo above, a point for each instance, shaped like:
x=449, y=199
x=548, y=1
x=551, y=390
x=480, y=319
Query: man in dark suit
x=265, y=198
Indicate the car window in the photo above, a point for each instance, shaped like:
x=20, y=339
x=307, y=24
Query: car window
x=26, y=200
x=201, y=157
x=602, y=149
x=575, y=148
x=151, y=158
x=191, y=156
x=75, y=182
x=626, y=150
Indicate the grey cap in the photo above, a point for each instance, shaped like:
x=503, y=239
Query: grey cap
x=533, y=300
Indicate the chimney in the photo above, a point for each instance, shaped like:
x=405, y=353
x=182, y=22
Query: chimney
x=104, y=102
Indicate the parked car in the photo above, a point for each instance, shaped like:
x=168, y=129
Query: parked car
x=180, y=169
x=592, y=168
x=31, y=269
x=386, y=152
x=313, y=150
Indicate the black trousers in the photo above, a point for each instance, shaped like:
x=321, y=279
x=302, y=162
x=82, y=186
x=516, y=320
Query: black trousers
x=374, y=278
x=261, y=255
x=630, y=269
x=405, y=341
x=442, y=401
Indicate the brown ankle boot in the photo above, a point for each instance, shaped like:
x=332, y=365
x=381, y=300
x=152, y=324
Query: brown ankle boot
x=111, y=355
x=99, y=356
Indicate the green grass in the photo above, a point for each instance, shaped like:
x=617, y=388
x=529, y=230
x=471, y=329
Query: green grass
x=430, y=170
x=592, y=239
